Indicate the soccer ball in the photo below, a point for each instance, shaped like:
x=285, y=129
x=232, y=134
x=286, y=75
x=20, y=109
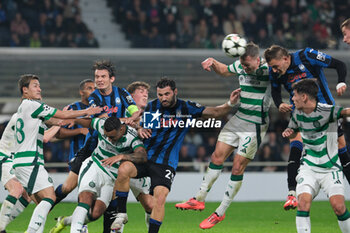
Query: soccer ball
x=233, y=45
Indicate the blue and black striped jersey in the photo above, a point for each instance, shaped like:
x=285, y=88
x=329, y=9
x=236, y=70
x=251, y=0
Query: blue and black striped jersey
x=77, y=141
x=305, y=63
x=165, y=143
x=114, y=104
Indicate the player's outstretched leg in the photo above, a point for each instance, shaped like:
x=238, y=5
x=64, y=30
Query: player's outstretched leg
x=296, y=148
x=232, y=188
x=222, y=151
x=197, y=202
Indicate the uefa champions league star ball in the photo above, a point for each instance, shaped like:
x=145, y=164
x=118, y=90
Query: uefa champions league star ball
x=233, y=45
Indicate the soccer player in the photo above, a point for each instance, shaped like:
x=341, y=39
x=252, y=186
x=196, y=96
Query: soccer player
x=288, y=68
x=163, y=146
x=320, y=167
x=28, y=160
x=115, y=102
x=77, y=139
x=139, y=187
x=345, y=28
x=96, y=182
x=243, y=132
x=17, y=199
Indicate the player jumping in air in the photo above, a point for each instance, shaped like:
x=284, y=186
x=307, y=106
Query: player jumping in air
x=244, y=131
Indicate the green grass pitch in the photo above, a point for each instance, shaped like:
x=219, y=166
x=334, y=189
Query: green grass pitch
x=241, y=217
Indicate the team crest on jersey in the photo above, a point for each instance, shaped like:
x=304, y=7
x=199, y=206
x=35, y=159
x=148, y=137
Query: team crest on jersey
x=300, y=180
x=316, y=124
x=117, y=100
x=321, y=56
x=50, y=180
x=12, y=171
x=92, y=184
x=301, y=67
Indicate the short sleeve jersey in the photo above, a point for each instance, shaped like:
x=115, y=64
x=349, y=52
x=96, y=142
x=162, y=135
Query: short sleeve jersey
x=7, y=142
x=114, y=104
x=30, y=126
x=164, y=145
x=105, y=149
x=319, y=133
x=305, y=63
x=255, y=95
x=77, y=141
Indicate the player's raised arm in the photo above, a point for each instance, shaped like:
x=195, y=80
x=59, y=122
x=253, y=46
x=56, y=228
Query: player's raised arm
x=73, y=114
x=218, y=67
x=224, y=109
x=341, y=71
x=68, y=133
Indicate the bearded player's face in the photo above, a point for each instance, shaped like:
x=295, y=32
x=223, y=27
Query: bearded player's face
x=166, y=96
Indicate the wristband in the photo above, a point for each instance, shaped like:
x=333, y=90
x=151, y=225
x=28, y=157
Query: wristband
x=229, y=103
x=340, y=85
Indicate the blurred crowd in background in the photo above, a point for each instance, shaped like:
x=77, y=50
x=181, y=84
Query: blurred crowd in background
x=178, y=23
x=43, y=23
x=203, y=24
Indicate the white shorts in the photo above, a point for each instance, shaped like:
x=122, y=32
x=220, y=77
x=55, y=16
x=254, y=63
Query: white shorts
x=93, y=179
x=33, y=178
x=140, y=185
x=243, y=135
x=308, y=181
x=7, y=172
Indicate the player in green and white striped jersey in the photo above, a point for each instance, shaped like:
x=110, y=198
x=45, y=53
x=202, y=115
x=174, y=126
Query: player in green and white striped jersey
x=243, y=132
x=17, y=199
x=116, y=142
x=28, y=158
x=320, y=166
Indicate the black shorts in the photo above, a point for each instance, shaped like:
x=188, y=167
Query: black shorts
x=82, y=154
x=161, y=175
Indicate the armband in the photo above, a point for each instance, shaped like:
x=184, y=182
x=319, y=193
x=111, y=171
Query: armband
x=132, y=109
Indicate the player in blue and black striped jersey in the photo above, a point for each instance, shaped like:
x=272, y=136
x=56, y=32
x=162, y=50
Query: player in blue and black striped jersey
x=285, y=70
x=163, y=144
x=114, y=101
x=77, y=138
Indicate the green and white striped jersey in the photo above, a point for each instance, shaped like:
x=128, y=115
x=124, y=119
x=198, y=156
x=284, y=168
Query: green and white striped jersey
x=30, y=128
x=320, y=137
x=255, y=95
x=105, y=149
x=7, y=142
